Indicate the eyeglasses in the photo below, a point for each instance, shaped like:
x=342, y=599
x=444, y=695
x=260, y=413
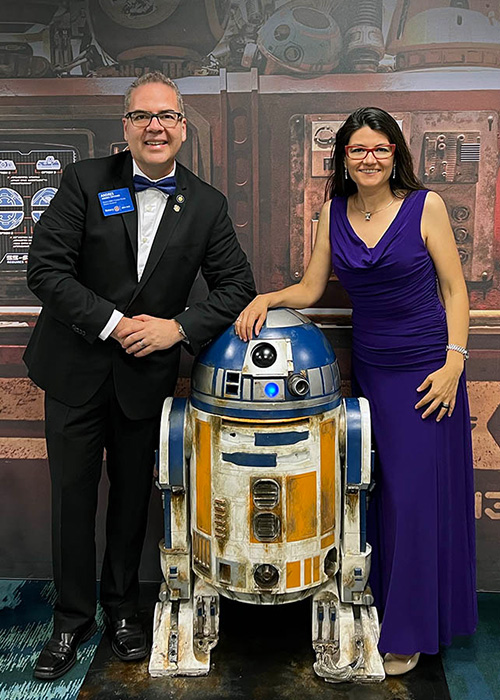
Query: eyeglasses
x=381, y=152
x=168, y=119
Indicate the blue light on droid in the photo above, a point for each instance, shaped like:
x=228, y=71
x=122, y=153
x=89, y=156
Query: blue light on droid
x=271, y=389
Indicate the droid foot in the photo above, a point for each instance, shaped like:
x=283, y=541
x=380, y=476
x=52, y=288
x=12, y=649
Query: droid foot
x=345, y=639
x=184, y=633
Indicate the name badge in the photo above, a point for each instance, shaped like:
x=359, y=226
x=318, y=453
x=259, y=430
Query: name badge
x=116, y=202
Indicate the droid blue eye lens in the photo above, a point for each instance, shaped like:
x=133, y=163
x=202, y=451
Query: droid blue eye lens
x=271, y=389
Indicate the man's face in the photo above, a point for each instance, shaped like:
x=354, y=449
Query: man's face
x=154, y=147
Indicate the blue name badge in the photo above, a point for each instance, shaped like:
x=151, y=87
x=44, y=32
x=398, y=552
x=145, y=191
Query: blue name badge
x=116, y=202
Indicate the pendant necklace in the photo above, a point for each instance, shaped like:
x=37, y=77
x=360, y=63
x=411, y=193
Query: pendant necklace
x=369, y=214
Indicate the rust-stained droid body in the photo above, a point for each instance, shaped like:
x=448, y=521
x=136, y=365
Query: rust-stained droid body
x=274, y=507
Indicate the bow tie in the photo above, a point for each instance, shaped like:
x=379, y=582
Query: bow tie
x=166, y=184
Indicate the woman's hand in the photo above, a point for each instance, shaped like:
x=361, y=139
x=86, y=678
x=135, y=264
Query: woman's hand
x=253, y=316
x=442, y=385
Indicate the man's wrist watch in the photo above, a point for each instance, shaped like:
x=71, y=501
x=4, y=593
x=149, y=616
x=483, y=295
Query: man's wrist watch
x=458, y=348
x=182, y=331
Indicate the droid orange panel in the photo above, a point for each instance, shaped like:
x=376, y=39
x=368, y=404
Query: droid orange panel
x=203, y=477
x=327, y=541
x=301, y=517
x=293, y=574
x=307, y=571
x=316, y=569
x=327, y=437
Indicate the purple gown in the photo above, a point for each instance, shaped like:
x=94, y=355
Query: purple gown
x=421, y=518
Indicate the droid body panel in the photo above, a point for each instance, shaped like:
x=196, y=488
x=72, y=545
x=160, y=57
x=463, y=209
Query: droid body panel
x=264, y=474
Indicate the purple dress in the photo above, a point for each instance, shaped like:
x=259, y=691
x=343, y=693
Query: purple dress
x=421, y=518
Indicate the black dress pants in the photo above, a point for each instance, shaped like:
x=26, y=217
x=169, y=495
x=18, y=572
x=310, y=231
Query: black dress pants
x=76, y=439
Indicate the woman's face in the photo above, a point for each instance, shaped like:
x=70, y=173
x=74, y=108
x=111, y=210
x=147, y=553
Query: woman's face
x=371, y=171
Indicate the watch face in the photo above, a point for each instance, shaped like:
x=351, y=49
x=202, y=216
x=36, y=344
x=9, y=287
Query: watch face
x=181, y=330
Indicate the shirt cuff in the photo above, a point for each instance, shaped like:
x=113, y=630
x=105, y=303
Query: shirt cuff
x=110, y=326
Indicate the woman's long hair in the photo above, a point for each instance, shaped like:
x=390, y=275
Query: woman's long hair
x=377, y=119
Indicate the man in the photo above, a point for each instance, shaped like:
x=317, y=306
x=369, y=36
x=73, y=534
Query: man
x=113, y=268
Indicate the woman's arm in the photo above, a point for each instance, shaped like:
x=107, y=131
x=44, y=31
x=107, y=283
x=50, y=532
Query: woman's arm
x=440, y=242
x=298, y=296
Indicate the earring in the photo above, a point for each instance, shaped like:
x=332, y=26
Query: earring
x=394, y=171
x=346, y=174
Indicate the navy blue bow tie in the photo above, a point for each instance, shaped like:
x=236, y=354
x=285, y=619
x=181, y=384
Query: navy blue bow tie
x=166, y=184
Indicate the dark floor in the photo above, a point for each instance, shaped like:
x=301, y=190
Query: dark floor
x=263, y=654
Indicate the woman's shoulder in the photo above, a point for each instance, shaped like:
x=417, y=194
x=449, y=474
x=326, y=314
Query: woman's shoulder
x=434, y=203
x=335, y=201
x=325, y=210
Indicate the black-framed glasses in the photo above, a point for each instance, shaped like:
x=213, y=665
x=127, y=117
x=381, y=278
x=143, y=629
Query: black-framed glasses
x=385, y=150
x=167, y=119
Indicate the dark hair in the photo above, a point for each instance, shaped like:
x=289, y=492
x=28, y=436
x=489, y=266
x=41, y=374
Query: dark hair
x=378, y=120
x=153, y=77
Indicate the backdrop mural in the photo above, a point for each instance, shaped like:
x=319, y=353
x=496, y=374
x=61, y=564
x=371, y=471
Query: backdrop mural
x=266, y=85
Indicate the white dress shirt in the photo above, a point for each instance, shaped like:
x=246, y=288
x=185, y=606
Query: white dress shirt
x=150, y=207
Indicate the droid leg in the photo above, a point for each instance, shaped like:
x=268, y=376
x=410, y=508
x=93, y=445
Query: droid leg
x=345, y=622
x=337, y=640
x=345, y=639
x=184, y=633
x=355, y=550
x=186, y=620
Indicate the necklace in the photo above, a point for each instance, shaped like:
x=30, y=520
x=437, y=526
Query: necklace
x=369, y=214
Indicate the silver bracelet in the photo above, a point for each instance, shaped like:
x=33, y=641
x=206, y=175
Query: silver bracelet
x=458, y=348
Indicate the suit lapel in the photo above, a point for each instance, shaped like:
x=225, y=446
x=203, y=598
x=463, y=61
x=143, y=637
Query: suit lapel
x=171, y=218
x=124, y=179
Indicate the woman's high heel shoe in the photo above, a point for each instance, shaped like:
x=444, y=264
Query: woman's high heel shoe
x=397, y=664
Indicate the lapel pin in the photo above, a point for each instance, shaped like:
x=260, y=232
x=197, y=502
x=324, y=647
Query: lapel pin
x=177, y=207
x=180, y=198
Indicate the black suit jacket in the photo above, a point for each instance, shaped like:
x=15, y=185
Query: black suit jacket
x=82, y=265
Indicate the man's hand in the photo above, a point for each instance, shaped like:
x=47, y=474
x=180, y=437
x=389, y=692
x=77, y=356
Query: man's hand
x=125, y=327
x=153, y=334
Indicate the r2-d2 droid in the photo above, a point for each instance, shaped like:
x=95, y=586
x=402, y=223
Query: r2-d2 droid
x=264, y=473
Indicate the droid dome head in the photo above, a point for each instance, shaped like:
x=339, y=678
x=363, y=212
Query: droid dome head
x=447, y=36
x=289, y=370
x=301, y=38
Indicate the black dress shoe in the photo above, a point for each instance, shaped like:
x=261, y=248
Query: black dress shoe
x=59, y=654
x=128, y=639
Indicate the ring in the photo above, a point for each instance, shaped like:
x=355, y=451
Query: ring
x=444, y=405
x=141, y=343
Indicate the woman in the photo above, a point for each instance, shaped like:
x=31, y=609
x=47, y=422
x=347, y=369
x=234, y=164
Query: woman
x=388, y=238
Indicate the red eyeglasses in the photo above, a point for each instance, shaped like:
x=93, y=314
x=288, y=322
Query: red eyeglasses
x=385, y=150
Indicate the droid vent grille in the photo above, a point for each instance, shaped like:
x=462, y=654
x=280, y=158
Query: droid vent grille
x=266, y=494
x=470, y=152
x=221, y=524
x=232, y=387
x=201, y=552
x=266, y=527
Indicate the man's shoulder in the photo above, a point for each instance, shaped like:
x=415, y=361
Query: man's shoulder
x=102, y=165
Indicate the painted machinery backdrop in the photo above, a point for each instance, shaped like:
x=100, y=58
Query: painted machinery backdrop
x=266, y=85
